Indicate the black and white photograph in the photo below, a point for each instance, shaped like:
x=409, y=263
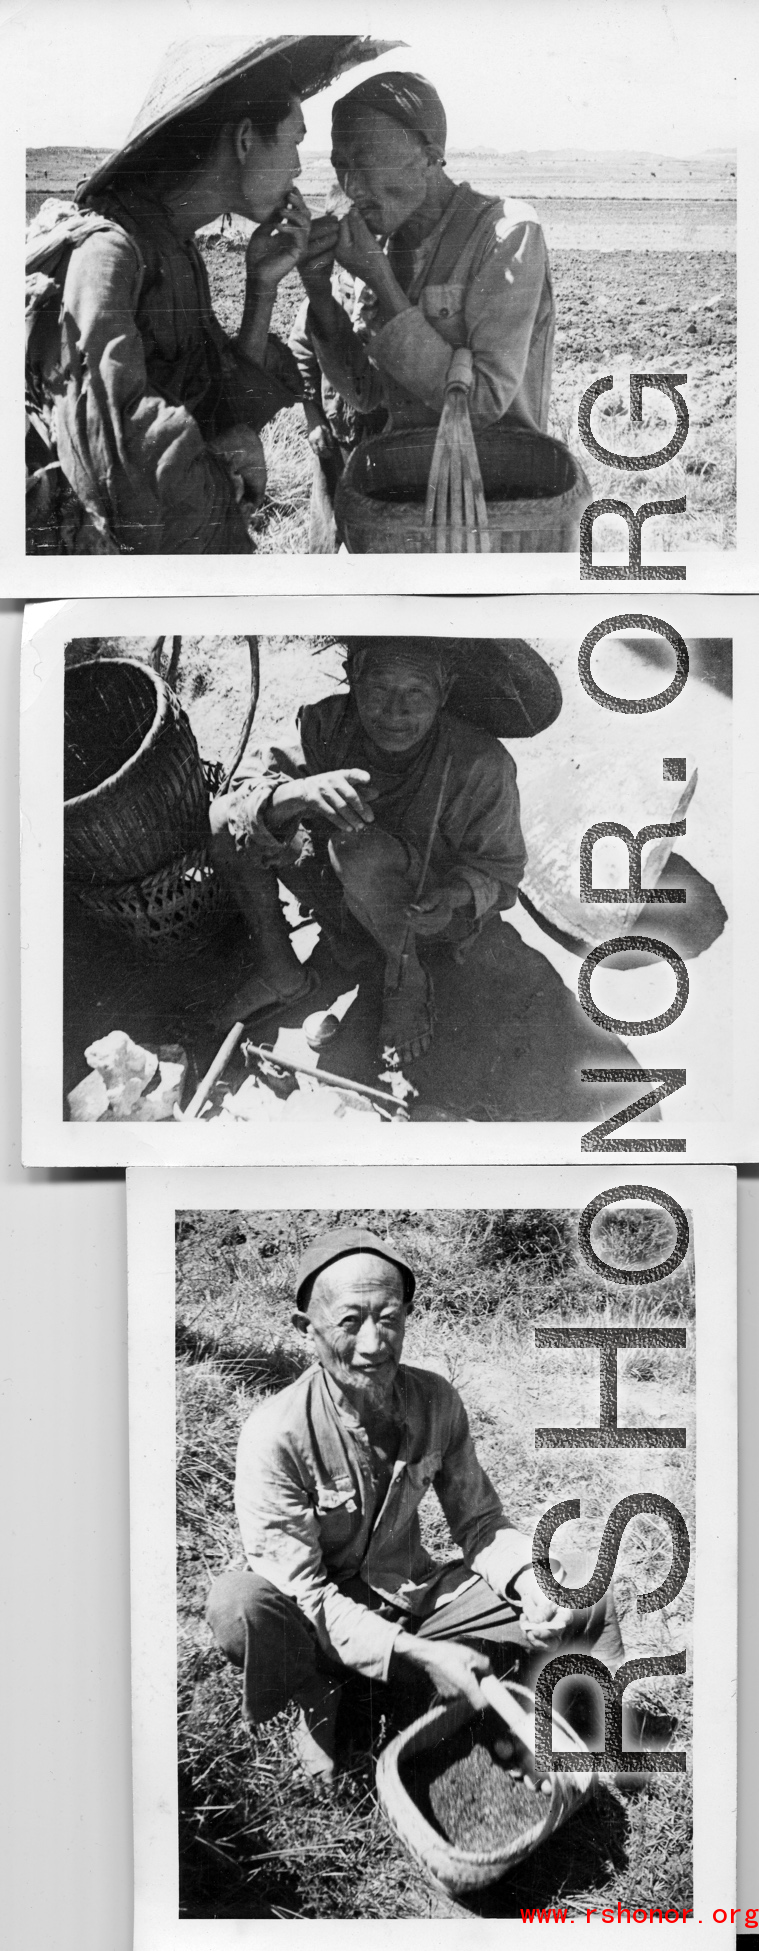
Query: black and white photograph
x=415, y=292
x=454, y=1632
x=379, y=620
x=379, y=892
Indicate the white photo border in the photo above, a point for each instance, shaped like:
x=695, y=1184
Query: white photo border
x=153, y=1199
x=45, y=577
x=48, y=1140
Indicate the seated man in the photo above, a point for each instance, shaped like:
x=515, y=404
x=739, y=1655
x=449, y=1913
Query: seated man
x=395, y=819
x=436, y=265
x=331, y=1472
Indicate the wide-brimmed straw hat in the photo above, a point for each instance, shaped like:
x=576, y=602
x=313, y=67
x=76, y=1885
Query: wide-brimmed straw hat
x=192, y=71
x=499, y=683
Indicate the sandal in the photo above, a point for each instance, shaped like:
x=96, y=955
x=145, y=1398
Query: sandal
x=408, y=1019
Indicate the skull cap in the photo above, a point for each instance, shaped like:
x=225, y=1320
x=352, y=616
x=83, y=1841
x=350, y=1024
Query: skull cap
x=343, y=1240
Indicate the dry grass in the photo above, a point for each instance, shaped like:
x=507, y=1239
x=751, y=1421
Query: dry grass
x=704, y=471
x=256, y=1839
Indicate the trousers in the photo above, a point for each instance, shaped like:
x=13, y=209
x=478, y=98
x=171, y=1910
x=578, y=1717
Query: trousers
x=265, y=1634
x=361, y=889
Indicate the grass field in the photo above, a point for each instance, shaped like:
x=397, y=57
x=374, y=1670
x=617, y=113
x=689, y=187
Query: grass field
x=256, y=1839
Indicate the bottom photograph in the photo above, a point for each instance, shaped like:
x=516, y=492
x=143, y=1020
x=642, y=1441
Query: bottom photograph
x=449, y=1587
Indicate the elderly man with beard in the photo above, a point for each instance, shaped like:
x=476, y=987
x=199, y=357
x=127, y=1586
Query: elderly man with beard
x=331, y=1472
x=418, y=266
x=379, y=787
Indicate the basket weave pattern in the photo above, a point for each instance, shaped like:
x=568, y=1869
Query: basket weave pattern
x=535, y=491
x=123, y=824
x=454, y=1868
x=176, y=908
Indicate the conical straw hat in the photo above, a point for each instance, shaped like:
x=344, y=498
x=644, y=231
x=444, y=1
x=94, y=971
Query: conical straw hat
x=191, y=71
x=500, y=683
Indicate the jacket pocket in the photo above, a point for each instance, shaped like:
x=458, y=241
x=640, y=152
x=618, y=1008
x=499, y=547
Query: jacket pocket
x=443, y=307
x=337, y=1496
x=418, y=1477
x=337, y=1513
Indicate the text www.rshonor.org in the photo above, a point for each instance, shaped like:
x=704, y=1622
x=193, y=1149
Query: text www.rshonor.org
x=623, y=1915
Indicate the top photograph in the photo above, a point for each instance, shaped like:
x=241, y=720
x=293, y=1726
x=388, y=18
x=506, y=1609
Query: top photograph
x=463, y=295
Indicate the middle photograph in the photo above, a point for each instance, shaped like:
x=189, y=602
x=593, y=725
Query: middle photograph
x=391, y=880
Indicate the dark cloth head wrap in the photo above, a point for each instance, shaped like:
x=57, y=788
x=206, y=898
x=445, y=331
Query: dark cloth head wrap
x=434, y=658
x=343, y=1240
x=405, y=98
x=499, y=683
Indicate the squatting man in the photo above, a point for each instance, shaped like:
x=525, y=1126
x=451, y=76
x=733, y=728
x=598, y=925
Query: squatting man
x=392, y=812
x=331, y=1472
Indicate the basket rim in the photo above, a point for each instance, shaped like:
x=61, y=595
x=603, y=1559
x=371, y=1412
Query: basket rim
x=199, y=856
x=457, y=1713
x=162, y=693
x=347, y=495
x=427, y=430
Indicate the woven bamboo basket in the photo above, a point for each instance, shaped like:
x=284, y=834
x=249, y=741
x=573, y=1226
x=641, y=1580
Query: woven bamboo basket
x=134, y=788
x=450, y=1867
x=177, y=908
x=535, y=494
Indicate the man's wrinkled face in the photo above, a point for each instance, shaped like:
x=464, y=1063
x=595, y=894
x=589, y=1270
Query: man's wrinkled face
x=397, y=700
x=381, y=166
x=268, y=170
x=356, y=1323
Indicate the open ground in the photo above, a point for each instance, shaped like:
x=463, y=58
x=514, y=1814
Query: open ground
x=258, y=1840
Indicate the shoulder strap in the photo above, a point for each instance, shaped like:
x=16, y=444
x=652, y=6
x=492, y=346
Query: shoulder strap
x=472, y=216
x=470, y=212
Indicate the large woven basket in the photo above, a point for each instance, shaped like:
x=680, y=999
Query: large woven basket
x=455, y=1869
x=134, y=788
x=535, y=492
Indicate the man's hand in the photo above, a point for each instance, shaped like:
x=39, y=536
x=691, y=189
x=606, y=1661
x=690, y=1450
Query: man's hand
x=322, y=443
x=277, y=245
x=452, y=1668
x=358, y=250
x=543, y=1620
x=360, y=253
x=243, y=454
x=316, y=262
x=432, y=912
x=341, y=797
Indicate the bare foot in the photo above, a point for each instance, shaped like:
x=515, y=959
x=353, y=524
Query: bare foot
x=408, y=1015
x=315, y=1731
